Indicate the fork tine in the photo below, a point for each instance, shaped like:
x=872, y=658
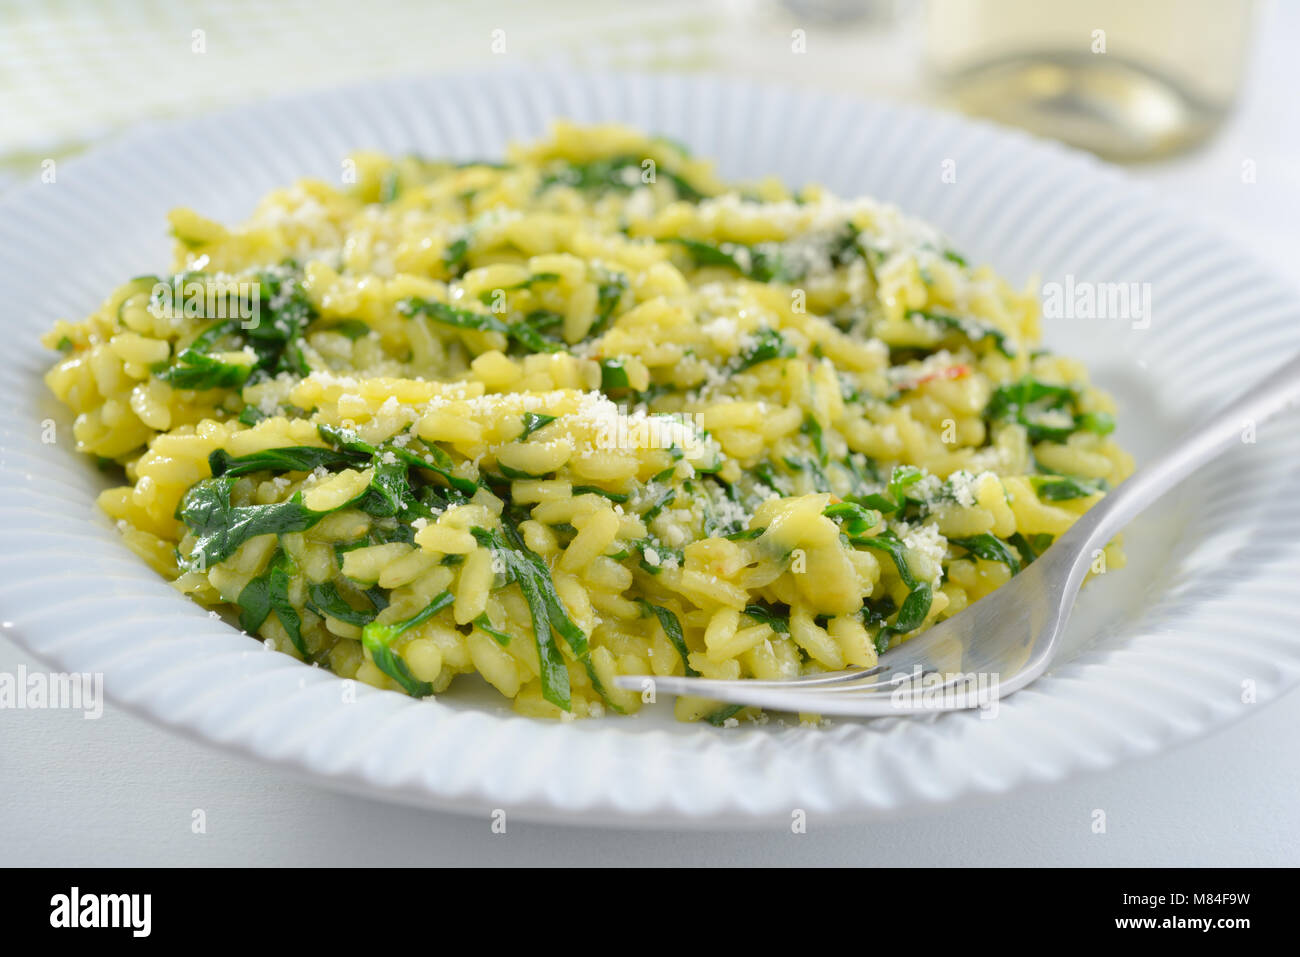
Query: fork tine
x=859, y=686
x=689, y=685
x=873, y=704
x=881, y=690
x=900, y=659
x=893, y=686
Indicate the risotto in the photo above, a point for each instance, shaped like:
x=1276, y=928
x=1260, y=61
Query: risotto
x=583, y=413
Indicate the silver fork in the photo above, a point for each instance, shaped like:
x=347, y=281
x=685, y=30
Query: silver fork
x=1007, y=639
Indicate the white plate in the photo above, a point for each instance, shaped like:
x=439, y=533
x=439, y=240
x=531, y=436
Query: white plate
x=1202, y=621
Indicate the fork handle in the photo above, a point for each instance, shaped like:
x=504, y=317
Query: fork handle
x=1207, y=441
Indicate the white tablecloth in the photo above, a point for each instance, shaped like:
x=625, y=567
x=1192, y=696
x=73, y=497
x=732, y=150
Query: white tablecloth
x=120, y=791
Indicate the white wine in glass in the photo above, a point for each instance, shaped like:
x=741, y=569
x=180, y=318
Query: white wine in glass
x=1128, y=79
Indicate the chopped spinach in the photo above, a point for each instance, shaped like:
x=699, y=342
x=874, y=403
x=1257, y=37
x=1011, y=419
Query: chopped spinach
x=609, y=292
x=889, y=543
x=378, y=640
x=194, y=368
x=521, y=332
x=282, y=312
x=267, y=593
x=453, y=258
x=352, y=328
x=1058, y=488
x=813, y=429
x=441, y=465
x=1040, y=406
x=772, y=616
x=762, y=263
x=487, y=296
x=658, y=505
x=767, y=344
x=990, y=548
x=220, y=528
x=1032, y=547
x=294, y=458
x=616, y=173
x=672, y=630
x=894, y=499
x=972, y=329
x=910, y=617
x=597, y=490
x=484, y=624
x=720, y=717
x=855, y=519
x=529, y=571
x=613, y=375
x=919, y=597
x=534, y=421
x=324, y=599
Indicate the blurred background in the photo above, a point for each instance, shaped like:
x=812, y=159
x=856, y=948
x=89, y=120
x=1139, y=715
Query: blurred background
x=1196, y=95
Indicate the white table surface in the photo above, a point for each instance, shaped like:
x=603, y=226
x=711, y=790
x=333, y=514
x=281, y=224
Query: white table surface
x=121, y=791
